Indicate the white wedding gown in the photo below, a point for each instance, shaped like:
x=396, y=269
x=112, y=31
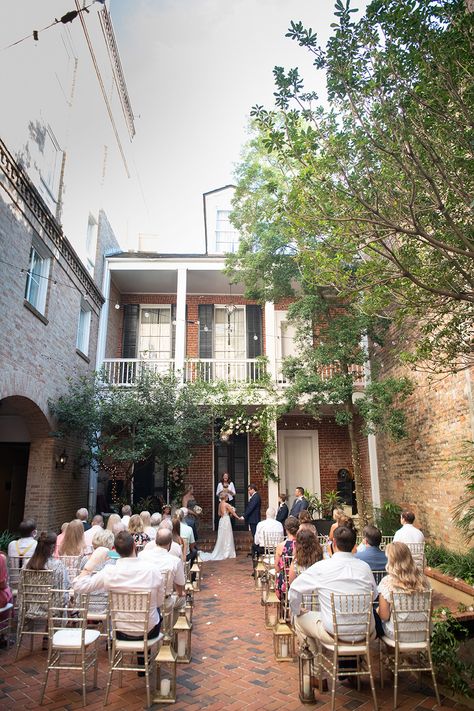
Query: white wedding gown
x=224, y=547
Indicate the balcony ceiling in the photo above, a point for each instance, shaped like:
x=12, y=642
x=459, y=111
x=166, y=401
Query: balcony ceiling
x=134, y=281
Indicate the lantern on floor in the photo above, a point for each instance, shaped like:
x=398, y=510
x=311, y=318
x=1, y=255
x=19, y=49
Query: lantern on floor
x=283, y=642
x=305, y=668
x=182, y=638
x=188, y=610
x=165, y=673
x=196, y=571
x=189, y=592
x=258, y=574
x=271, y=608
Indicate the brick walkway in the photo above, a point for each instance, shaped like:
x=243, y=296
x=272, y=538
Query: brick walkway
x=232, y=668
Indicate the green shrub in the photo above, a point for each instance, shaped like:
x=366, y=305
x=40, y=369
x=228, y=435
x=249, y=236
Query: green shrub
x=387, y=518
x=445, y=647
x=5, y=538
x=458, y=565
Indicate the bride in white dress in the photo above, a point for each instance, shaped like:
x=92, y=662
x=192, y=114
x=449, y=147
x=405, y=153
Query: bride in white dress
x=224, y=547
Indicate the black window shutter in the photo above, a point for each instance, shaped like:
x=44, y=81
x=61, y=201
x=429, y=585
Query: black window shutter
x=206, y=322
x=254, y=328
x=131, y=313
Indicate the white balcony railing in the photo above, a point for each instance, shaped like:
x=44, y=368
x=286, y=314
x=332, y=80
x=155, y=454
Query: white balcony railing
x=125, y=371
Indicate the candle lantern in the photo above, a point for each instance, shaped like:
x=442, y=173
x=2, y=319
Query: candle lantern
x=283, y=642
x=188, y=610
x=258, y=573
x=305, y=668
x=165, y=674
x=271, y=608
x=182, y=638
x=196, y=572
x=189, y=591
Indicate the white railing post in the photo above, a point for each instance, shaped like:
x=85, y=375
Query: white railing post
x=270, y=339
x=180, y=324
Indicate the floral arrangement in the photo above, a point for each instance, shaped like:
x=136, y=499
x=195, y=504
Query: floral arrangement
x=240, y=425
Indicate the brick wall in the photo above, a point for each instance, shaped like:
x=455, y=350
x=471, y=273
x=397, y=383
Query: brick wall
x=421, y=472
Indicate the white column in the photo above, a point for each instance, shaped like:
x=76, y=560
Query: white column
x=270, y=340
x=103, y=318
x=179, y=351
x=274, y=486
x=371, y=439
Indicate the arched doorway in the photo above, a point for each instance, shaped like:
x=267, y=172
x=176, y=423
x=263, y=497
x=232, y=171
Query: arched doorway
x=24, y=440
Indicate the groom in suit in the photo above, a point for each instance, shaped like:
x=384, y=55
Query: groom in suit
x=252, y=510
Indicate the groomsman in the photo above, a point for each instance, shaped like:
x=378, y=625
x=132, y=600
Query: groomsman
x=300, y=503
x=252, y=510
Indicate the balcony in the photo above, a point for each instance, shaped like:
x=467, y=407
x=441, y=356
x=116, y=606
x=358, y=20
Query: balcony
x=126, y=371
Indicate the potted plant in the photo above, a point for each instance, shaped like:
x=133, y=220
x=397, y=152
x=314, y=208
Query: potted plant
x=321, y=510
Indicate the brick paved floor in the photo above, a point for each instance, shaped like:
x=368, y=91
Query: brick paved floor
x=232, y=667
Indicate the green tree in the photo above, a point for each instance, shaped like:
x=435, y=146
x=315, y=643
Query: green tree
x=383, y=178
x=157, y=417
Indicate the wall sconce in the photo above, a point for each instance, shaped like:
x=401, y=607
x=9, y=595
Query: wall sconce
x=61, y=461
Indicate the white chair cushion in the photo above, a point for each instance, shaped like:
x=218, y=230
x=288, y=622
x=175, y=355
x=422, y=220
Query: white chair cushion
x=404, y=646
x=71, y=638
x=135, y=646
x=347, y=648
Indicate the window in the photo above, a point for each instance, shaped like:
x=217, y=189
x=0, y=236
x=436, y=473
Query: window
x=155, y=333
x=229, y=336
x=37, y=279
x=83, y=328
x=227, y=238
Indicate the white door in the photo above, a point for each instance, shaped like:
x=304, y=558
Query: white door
x=298, y=461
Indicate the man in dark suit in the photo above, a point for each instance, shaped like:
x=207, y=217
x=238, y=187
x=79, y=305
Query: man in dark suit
x=283, y=512
x=300, y=503
x=252, y=510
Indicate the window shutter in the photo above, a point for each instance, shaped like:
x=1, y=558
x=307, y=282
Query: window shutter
x=131, y=313
x=254, y=328
x=206, y=321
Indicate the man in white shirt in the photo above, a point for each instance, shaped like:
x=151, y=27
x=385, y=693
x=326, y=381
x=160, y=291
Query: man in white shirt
x=126, y=513
x=171, y=567
x=175, y=550
x=187, y=534
x=24, y=547
x=341, y=574
x=129, y=574
x=268, y=525
x=408, y=533
x=96, y=525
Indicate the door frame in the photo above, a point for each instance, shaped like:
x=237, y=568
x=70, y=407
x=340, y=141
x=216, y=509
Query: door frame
x=216, y=478
x=313, y=434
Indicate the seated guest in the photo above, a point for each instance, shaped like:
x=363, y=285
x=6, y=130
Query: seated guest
x=336, y=514
x=147, y=527
x=161, y=557
x=408, y=533
x=268, y=525
x=307, y=552
x=372, y=555
x=73, y=542
x=82, y=515
x=155, y=520
x=284, y=554
x=135, y=528
x=113, y=521
x=96, y=525
x=187, y=535
x=403, y=576
x=6, y=595
x=42, y=559
x=347, y=522
x=283, y=511
x=102, y=539
x=129, y=574
x=24, y=547
x=305, y=517
x=126, y=513
x=175, y=549
x=342, y=573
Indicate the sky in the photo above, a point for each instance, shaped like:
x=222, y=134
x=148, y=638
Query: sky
x=194, y=69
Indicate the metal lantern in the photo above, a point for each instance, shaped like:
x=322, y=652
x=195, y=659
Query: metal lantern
x=165, y=674
x=182, y=638
x=188, y=610
x=196, y=570
x=305, y=668
x=283, y=642
x=271, y=608
x=189, y=591
x=258, y=573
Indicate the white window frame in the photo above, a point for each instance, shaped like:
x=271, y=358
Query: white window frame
x=84, y=328
x=37, y=277
x=148, y=353
x=229, y=242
